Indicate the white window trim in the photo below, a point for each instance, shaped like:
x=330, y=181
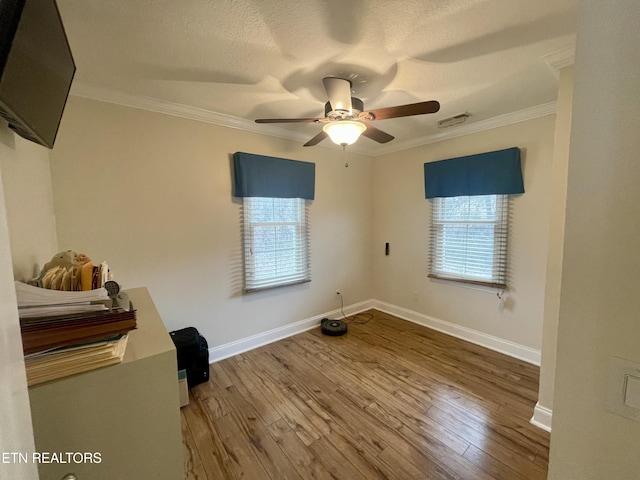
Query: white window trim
x=499, y=275
x=302, y=267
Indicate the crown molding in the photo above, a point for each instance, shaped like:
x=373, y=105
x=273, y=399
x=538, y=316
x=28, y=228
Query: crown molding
x=86, y=90
x=469, y=128
x=94, y=92
x=561, y=58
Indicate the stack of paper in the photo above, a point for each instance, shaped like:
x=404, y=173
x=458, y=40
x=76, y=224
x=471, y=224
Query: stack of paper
x=46, y=366
x=40, y=302
x=64, y=333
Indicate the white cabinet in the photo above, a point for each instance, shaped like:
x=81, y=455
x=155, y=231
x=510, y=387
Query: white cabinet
x=128, y=413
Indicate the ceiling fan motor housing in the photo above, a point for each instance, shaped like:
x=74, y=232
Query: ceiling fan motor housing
x=357, y=106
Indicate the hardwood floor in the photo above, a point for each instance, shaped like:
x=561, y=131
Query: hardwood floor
x=389, y=400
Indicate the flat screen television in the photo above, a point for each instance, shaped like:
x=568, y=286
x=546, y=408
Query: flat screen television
x=36, y=68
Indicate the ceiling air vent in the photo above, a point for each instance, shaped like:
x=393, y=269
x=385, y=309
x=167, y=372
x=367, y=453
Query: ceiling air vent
x=455, y=120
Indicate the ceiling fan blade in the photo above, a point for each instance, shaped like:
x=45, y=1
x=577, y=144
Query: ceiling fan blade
x=316, y=140
x=419, y=108
x=339, y=93
x=289, y=120
x=376, y=134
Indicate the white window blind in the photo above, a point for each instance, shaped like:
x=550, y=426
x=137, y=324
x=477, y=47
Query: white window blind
x=469, y=239
x=276, y=242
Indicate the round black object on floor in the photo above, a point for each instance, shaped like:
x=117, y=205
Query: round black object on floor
x=333, y=327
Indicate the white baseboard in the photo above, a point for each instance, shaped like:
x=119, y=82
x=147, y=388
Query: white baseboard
x=527, y=354
x=512, y=349
x=542, y=417
x=249, y=343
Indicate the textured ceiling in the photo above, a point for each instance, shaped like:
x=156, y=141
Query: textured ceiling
x=266, y=58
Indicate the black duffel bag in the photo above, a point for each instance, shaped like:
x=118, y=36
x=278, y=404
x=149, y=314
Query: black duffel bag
x=193, y=355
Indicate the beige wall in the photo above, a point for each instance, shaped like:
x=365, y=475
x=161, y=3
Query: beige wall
x=26, y=177
x=151, y=195
x=401, y=217
x=556, y=238
x=600, y=300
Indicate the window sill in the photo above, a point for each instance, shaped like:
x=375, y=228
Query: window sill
x=270, y=287
x=472, y=284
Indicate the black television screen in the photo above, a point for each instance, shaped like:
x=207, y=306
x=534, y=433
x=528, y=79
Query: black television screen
x=36, y=68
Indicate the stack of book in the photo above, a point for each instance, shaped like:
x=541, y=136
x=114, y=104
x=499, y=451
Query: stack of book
x=64, y=333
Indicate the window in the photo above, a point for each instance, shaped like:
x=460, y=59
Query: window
x=276, y=242
x=469, y=239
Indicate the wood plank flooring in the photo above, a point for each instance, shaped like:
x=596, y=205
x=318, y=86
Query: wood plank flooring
x=389, y=400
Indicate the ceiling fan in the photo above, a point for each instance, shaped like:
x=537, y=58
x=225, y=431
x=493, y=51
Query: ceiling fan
x=346, y=119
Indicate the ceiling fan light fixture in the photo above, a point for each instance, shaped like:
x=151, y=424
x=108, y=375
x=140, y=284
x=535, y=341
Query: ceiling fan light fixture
x=344, y=132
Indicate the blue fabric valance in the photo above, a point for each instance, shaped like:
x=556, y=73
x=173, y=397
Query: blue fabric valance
x=271, y=177
x=490, y=173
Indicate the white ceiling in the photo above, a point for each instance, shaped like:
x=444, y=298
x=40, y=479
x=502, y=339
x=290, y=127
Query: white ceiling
x=233, y=61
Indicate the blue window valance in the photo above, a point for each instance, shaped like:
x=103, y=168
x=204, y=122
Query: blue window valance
x=271, y=177
x=490, y=173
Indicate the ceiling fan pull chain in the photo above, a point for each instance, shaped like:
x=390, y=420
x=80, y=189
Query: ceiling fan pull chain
x=344, y=149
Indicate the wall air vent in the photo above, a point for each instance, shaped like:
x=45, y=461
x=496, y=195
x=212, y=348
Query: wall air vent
x=455, y=120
